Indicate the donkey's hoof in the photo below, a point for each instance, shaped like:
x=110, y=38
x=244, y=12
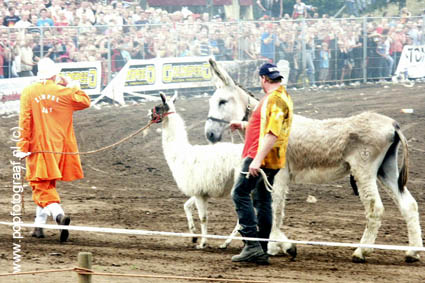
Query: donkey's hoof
x=292, y=252
x=411, y=258
x=194, y=239
x=357, y=259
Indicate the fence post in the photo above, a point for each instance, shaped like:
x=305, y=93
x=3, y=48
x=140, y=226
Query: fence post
x=84, y=261
x=303, y=51
x=364, y=49
x=109, y=77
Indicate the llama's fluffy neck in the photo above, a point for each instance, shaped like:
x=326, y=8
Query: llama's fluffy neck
x=174, y=135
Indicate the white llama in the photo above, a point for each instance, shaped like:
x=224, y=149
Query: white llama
x=200, y=171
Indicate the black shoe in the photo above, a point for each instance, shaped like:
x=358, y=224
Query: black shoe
x=252, y=252
x=38, y=233
x=63, y=220
x=264, y=245
x=261, y=260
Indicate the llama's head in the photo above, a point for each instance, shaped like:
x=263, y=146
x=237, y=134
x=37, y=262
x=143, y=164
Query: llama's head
x=159, y=112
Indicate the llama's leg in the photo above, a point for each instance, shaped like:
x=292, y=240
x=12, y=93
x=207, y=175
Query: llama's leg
x=234, y=232
x=374, y=209
x=280, y=189
x=188, y=207
x=409, y=210
x=202, y=206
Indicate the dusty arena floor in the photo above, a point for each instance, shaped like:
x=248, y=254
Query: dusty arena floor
x=131, y=187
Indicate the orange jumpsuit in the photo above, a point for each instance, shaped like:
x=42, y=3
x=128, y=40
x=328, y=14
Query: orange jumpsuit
x=45, y=121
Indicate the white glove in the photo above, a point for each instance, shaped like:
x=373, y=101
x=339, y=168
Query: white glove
x=22, y=155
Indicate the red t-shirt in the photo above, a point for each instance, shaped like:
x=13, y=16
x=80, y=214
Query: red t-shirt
x=252, y=134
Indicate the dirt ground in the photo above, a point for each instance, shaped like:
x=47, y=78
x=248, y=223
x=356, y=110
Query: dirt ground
x=131, y=187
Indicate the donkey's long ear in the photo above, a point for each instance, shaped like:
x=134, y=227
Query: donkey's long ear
x=221, y=77
x=163, y=98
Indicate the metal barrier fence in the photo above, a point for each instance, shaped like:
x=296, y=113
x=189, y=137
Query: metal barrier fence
x=319, y=51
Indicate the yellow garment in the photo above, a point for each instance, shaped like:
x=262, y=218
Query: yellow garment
x=276, y=118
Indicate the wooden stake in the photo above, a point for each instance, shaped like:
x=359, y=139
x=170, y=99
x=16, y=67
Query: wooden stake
x=84, y=261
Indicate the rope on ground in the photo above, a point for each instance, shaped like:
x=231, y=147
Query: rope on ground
x=85, y=271
x=37, y=272
x=102, y=148
x=219, y=237
x=172, y=277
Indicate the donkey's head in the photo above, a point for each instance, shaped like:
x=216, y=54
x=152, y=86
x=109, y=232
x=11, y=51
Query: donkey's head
x=225, y=104
x=159, y=112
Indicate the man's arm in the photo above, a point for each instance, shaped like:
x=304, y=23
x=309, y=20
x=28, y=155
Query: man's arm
x=80, y=100
x=260, y=5
x=238, y=125
x=269, y=141
x=268, y=39
x=25, y=117
x=281, y=9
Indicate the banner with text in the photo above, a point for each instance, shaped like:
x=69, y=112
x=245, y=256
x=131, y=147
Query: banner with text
x=167, y=73
x=89, y=74
x=10, y=93
x=157, y=74
x=412, y=62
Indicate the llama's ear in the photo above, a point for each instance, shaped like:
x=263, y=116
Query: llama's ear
x=174, y=98
x=163, y=98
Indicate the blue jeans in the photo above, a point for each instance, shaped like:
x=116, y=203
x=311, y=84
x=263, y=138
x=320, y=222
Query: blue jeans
x=310, y=67
x=386, y=66
x=261, y=201
x=351, y=7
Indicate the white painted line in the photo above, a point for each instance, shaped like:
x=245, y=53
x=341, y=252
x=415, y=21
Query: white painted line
x=189, y=235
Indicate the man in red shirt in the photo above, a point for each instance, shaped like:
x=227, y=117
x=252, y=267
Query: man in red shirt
x=266, y=140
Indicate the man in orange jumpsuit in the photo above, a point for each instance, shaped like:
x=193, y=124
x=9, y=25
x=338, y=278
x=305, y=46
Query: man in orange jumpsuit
x=45, y=121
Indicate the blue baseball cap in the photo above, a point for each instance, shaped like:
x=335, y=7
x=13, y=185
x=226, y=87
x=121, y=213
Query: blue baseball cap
x=270, y=70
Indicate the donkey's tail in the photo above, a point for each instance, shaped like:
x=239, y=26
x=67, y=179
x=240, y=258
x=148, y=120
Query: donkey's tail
x=404, y=170
x=388, y=172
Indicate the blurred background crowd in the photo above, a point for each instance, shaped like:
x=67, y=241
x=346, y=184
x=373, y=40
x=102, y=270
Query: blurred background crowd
x=319, y=48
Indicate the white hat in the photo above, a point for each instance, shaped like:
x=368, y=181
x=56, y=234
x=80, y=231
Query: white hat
x=47, y=69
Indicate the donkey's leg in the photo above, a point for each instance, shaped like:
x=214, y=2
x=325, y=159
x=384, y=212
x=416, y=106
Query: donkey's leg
x=409, y=211
x=234, y=232
x=388, y=174
x=202, y=206
x=374, y=209
x=280, y=189
x=188, y=207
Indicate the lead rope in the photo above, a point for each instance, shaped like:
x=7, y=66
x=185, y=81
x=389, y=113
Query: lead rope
x=81, y=153
x=267, y=185
x=102, y=148
x=245, y=118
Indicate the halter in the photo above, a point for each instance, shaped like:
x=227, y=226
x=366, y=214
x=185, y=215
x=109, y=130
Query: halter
x=157, y=118
x=245, y=117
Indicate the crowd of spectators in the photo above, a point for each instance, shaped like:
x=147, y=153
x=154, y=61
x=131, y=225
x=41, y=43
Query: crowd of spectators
x=318, y=48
